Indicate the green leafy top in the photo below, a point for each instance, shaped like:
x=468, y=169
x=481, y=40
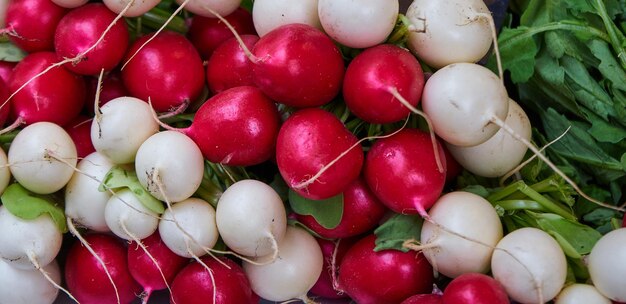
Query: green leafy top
x=28, y=205
x=326, y=212
x=118, y=177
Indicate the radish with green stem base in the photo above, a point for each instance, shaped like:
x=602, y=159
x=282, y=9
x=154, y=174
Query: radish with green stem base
x=128, y=218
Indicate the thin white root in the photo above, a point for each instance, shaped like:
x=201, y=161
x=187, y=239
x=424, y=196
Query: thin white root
x=249, y=260
x=33, y=259
x=333, y=268
x=195, y=257
x=96, y=102
x=243, y=46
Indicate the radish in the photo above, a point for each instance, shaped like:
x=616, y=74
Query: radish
x=581, y=294
x=70, y=3
x=170, y=166
x=28, y=286
x=475, y=288
x=229, y=67
x=370, y=76
x=42, y=157
x=358, y=26
x=31, y=24
x=459, y=237
x=362, y=212
x=136, y=8
x=251, y=218
x=5, y=172
x=401, y=170
x=307, y=143
x=6, y=67
x=168, y=70
x=120, y=127
x=207, y=8
x=82, y=28
x=605, y=264
x=423, y=299
x=386, y=276
x=87, y=279
x=450, y=31
x=270, y=14
x=188, y=228
x=207, y=34
x=530, y=265
x=293, y=274
x=333, y=252
x=4, y=95
x=79, y=129
x=112, y=87
x=128, y=218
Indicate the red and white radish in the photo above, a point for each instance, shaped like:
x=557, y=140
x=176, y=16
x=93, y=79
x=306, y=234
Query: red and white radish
x=475, y=288
x=31, y=23
x=28, y=286
x=128, y=218
x=136, y=8
x=208, y=8
x=229, y=67
x=270, y=14
x=207, y=34
x=605, y=264
x=578, y=293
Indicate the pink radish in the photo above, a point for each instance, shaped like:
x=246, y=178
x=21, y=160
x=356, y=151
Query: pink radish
x=402, y=172
x=423, y=299
x=371, y=75
x=87, y=279
x=112, y=87
x=270, y=14
x=82, y=28
x=333, y=254
x=79, y=129
x=229, y=67
x=31, y=23
x=6, y=70
x=168, y=70
x=207, y=34
x=475, y=288
x=4, y=95
x=307, y=142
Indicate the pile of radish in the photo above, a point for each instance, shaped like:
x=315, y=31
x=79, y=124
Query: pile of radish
x=273, y=150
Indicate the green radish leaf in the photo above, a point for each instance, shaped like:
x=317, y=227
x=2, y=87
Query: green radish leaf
x=326, y=212
x=396, y=230
x=10, y=52
x=29, y=206
x=575, y=238
x=117, y=177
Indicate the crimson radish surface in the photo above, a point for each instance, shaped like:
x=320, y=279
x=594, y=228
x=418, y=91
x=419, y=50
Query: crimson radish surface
x=475, y=288
x=79, y=129
x=229, y=67
x=32, y=23
x=333, y=252
x=207, y=34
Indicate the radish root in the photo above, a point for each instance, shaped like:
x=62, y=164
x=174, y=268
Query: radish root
x=243, y=46
x=33, y=259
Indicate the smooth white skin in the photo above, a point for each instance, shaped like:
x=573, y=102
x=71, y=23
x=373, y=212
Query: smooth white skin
x=358, y=24
x=28, y=286
x=125, y=209
x=31, y=162
x=291, y=275
x=249, y=213
x=449, y=31
x=222, y=7
x=84, y=203
x=606, y=265
x=461, y=100
x=196, y=217
x=581, y=294
x=270, y=14
x=18, y=238
x=173, y=160
x=138, y=8
x=468, y=215
x=500, y=153
x=543, y=259
x=125, y=123
x=5, y=172
x=70, y=3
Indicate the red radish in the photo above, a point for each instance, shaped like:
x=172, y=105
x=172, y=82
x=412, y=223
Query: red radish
x=79, y=130
x=143, y=269
x=387, y=276
x=372, y=73
x=57, y=96
x=475, y=288
x=6, y=70
x=168, y=70
x=81, y=29
x=87, y=279
x=331, y=251
x=298, y=65
x=229, y=66
x=402, y=172
x=112, y=87
x=423, y=299
x=362, y=211
x=4, y=95
x=207, y=34
x=194, y=285
x=309, y=141
x=453, y=168
x=31, y=23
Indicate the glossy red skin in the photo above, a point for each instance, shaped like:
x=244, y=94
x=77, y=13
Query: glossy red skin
x=309, y=140
x=57, y=96
x=81, y=28
x=475, y=288
x=298, y=66
x=34, y=22
x=193, y=284
x=402, y=172
x=424, y=299
x=168, y=70
x=237, y=127
x=6, y=70
x=387, y=276
x=207, y=34
x=6, y=109
x=362, y=211
x=112, y=87
x=142, y=267
x=372, y=73
x=86, y=278
x=324, y=285
x=229, y=66
x=79, y=130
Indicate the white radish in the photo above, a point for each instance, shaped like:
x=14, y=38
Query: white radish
x=42, y=157
x=530, y=265
x=358, y=24
x=170, y=166
x=28, y=286
x=270, y=14
x=70, y=3
x=502, y=152
x=461, y=234
x=449, y=31
x=606, y=265
x=128, y=218
x=5, y=172
x=188, y=228
x=291, y=275
x=137, y=8
x=581, y=294
x=251, y=218
x=206, y=8
x=120, y=127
